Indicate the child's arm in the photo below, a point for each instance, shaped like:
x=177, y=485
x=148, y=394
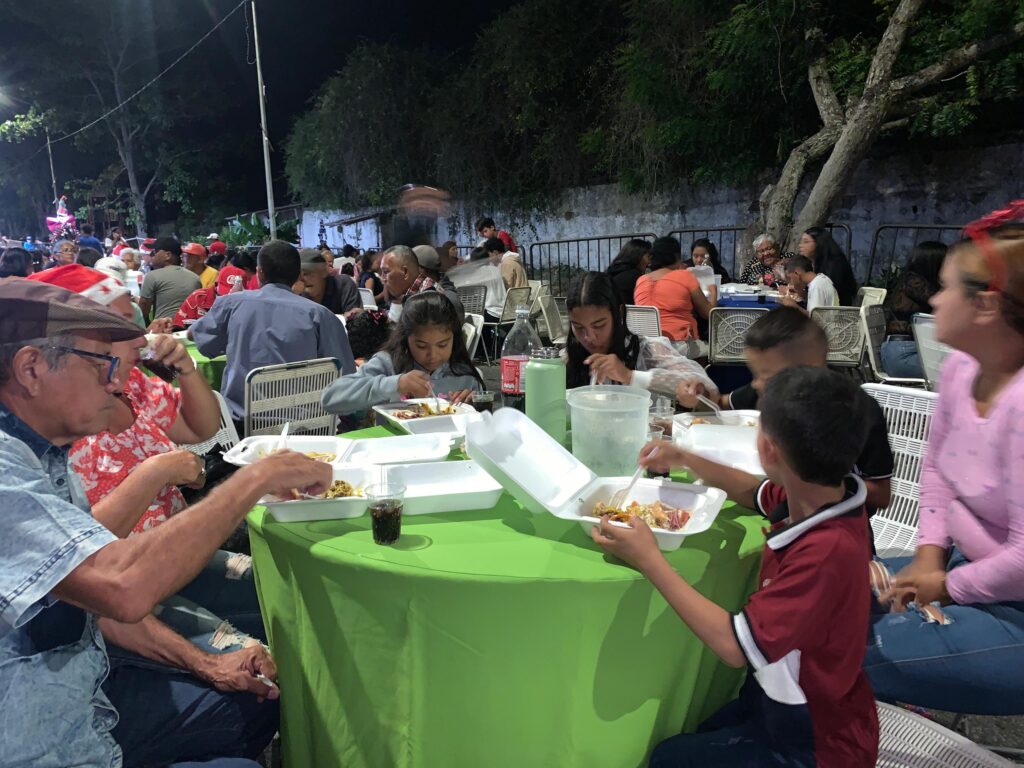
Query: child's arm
x=738, y=485
x=710, y=622
x=374, y=383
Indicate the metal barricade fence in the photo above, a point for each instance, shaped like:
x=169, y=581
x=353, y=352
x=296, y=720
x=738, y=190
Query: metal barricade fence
x=892, y=244
x=556, y=261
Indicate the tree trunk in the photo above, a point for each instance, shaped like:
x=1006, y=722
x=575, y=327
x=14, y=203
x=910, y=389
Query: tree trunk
x=777, y=200
x=138, y=195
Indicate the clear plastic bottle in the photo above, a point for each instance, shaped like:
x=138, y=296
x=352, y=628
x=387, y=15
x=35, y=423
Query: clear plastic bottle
x=519, y=345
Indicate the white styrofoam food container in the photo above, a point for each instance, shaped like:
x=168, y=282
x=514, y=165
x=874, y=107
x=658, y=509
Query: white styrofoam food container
x=252, y=449
x=401, y=449
x=731, y=440
x=448, y=486
x=307, y=510
x=450, y=424
x=545, y=477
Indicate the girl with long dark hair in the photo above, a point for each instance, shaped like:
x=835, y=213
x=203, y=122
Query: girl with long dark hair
x=628, y=266
x=828, y=259
x=704, y=253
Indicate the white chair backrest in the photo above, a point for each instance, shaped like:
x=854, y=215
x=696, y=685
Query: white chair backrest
x=516, y=297
x=868, y=295
x=556, y=333
x=367, y=298
x=845, y=334
x=477, y=323
x=290, y=393
x=642, y=320
x=727, y=333
x=908, y=417
x=226, y=436
x=931, y=352
x=908, y=740
x=472, y=298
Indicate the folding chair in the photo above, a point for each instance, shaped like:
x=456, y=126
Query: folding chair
x=556, y=333
x=906, y=740
x=873, y=323
x=226, y=436
x=472, y=298
x=868, y=295
x=473, y=328
x=515, y=297
x=727, y=333
x=367, y=298
x=845, y=334
x=931, y=352
x=289, y=393
x=908, y=417
x=643, y=321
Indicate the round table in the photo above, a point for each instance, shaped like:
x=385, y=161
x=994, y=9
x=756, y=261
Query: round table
x=211, y=368
x=487, y=638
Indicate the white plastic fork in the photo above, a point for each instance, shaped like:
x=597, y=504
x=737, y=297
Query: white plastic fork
x=620, y=496
x=711, y=404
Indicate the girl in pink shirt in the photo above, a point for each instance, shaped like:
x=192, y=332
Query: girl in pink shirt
x=970, y=549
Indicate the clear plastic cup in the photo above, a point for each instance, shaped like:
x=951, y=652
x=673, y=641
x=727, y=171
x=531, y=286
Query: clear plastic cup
x=385, y=502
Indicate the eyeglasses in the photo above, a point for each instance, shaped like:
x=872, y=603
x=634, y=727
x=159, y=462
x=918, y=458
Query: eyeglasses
x=978, y=231
x=112, y=361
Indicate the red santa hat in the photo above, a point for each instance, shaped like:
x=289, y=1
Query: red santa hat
x=91, y=283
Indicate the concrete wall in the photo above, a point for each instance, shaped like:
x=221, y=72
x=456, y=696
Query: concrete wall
x=949, y=187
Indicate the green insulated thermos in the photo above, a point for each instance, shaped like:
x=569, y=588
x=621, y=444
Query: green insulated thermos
x=545, y=391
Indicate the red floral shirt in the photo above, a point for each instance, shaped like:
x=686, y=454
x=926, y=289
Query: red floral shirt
x=104, y=460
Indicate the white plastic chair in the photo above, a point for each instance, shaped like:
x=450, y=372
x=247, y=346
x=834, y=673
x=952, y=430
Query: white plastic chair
x=276, y=395
x=556, y=333
x=907, y=740
x=873, y=324
x=727, y=333
x=367, y=298
x=845, y=334
x=473, y=328
x=932, y=353
x=515, y=297
x=908, y=417
x=226, y=436
x=868, y=295
x=473, y=298
x=643, y=321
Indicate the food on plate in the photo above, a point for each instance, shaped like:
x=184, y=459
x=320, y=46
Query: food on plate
x=725, y=421
x=318, y=455
x=656, y=514
x=424, y=410
x=341, y=489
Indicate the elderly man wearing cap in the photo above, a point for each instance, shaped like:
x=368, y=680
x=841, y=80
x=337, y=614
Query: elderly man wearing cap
x=195, y=256
x=268, y=326
x=405, y=276
x=339, y=293
x=167, y=284
x=62, y=573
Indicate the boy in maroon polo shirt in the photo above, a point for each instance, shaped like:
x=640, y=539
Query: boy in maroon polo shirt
x=806, y=700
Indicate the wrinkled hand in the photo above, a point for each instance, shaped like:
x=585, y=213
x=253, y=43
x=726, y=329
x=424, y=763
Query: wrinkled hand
x=180, y=467
x=167, y=350
x=238, y=670
x=687, y=391
x=284, y=472
x=462, y=396
x=160, y=325
x=609, y=368
x=414, y=384
x=668, y=457
x=635, y=545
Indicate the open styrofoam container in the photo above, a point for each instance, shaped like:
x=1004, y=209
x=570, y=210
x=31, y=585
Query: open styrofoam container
x=307, y=510
x=545, y=477
x=401, y=449
x=731, y=440
x=447, y=486
x=451, y=424
x=254, y=448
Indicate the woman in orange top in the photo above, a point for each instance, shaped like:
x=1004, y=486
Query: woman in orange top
x=677, y=295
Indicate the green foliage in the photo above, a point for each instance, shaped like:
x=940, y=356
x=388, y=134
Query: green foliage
x=253, y=232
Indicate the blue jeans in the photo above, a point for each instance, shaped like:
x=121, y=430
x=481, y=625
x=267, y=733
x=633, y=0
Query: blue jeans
x=974, y=665
x=900, y=358
x=730, y=738
x=172, y=719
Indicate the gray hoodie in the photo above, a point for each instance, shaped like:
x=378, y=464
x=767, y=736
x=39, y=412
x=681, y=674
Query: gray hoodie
x=376, y=382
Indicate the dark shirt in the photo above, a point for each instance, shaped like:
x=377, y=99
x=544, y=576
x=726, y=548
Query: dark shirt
x=341, y=294
x=88, y=241
x=911, y=295
x=624, y=277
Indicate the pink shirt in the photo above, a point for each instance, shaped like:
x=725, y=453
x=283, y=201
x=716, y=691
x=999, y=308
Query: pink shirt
x=972, y=486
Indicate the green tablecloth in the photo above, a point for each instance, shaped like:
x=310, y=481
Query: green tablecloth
x=488, y=638
x=211, y=368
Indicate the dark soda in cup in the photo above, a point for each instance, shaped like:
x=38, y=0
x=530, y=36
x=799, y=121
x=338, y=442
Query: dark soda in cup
x=385, y=502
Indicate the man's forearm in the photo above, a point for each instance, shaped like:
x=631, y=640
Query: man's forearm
x=154, y=640
x=199, y=409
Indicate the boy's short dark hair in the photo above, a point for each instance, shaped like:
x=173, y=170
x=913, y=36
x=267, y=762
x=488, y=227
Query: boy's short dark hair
x=484, y=222
x=817, y=419
x=794, y=263
x=495, y=244
x=280, y=262
x=788, y=328
x=87, y=229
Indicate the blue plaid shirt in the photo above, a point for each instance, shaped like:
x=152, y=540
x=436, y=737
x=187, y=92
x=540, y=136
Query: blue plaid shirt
x=53, y=712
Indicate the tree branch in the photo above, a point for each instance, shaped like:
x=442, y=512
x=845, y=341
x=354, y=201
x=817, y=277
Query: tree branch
x=953, y=61
x=825, y=98
x=889, y=46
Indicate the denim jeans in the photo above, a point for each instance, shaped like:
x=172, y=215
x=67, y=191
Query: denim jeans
x=975, y=665
x=727, y=739
x=900, y=358
x=170, y=718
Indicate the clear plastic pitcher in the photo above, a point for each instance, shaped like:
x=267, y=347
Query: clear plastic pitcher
x=609, y=427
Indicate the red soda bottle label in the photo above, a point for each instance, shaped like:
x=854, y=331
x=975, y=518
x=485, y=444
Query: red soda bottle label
x=513, y=374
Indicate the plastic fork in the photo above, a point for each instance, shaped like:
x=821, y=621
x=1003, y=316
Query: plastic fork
x=620, y=496
x=283, y=441
x=711, y=404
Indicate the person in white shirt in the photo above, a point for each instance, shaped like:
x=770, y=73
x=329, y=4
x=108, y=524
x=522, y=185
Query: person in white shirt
x=820, y=290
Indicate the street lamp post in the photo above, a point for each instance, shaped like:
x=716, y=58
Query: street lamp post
x=263, y=123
